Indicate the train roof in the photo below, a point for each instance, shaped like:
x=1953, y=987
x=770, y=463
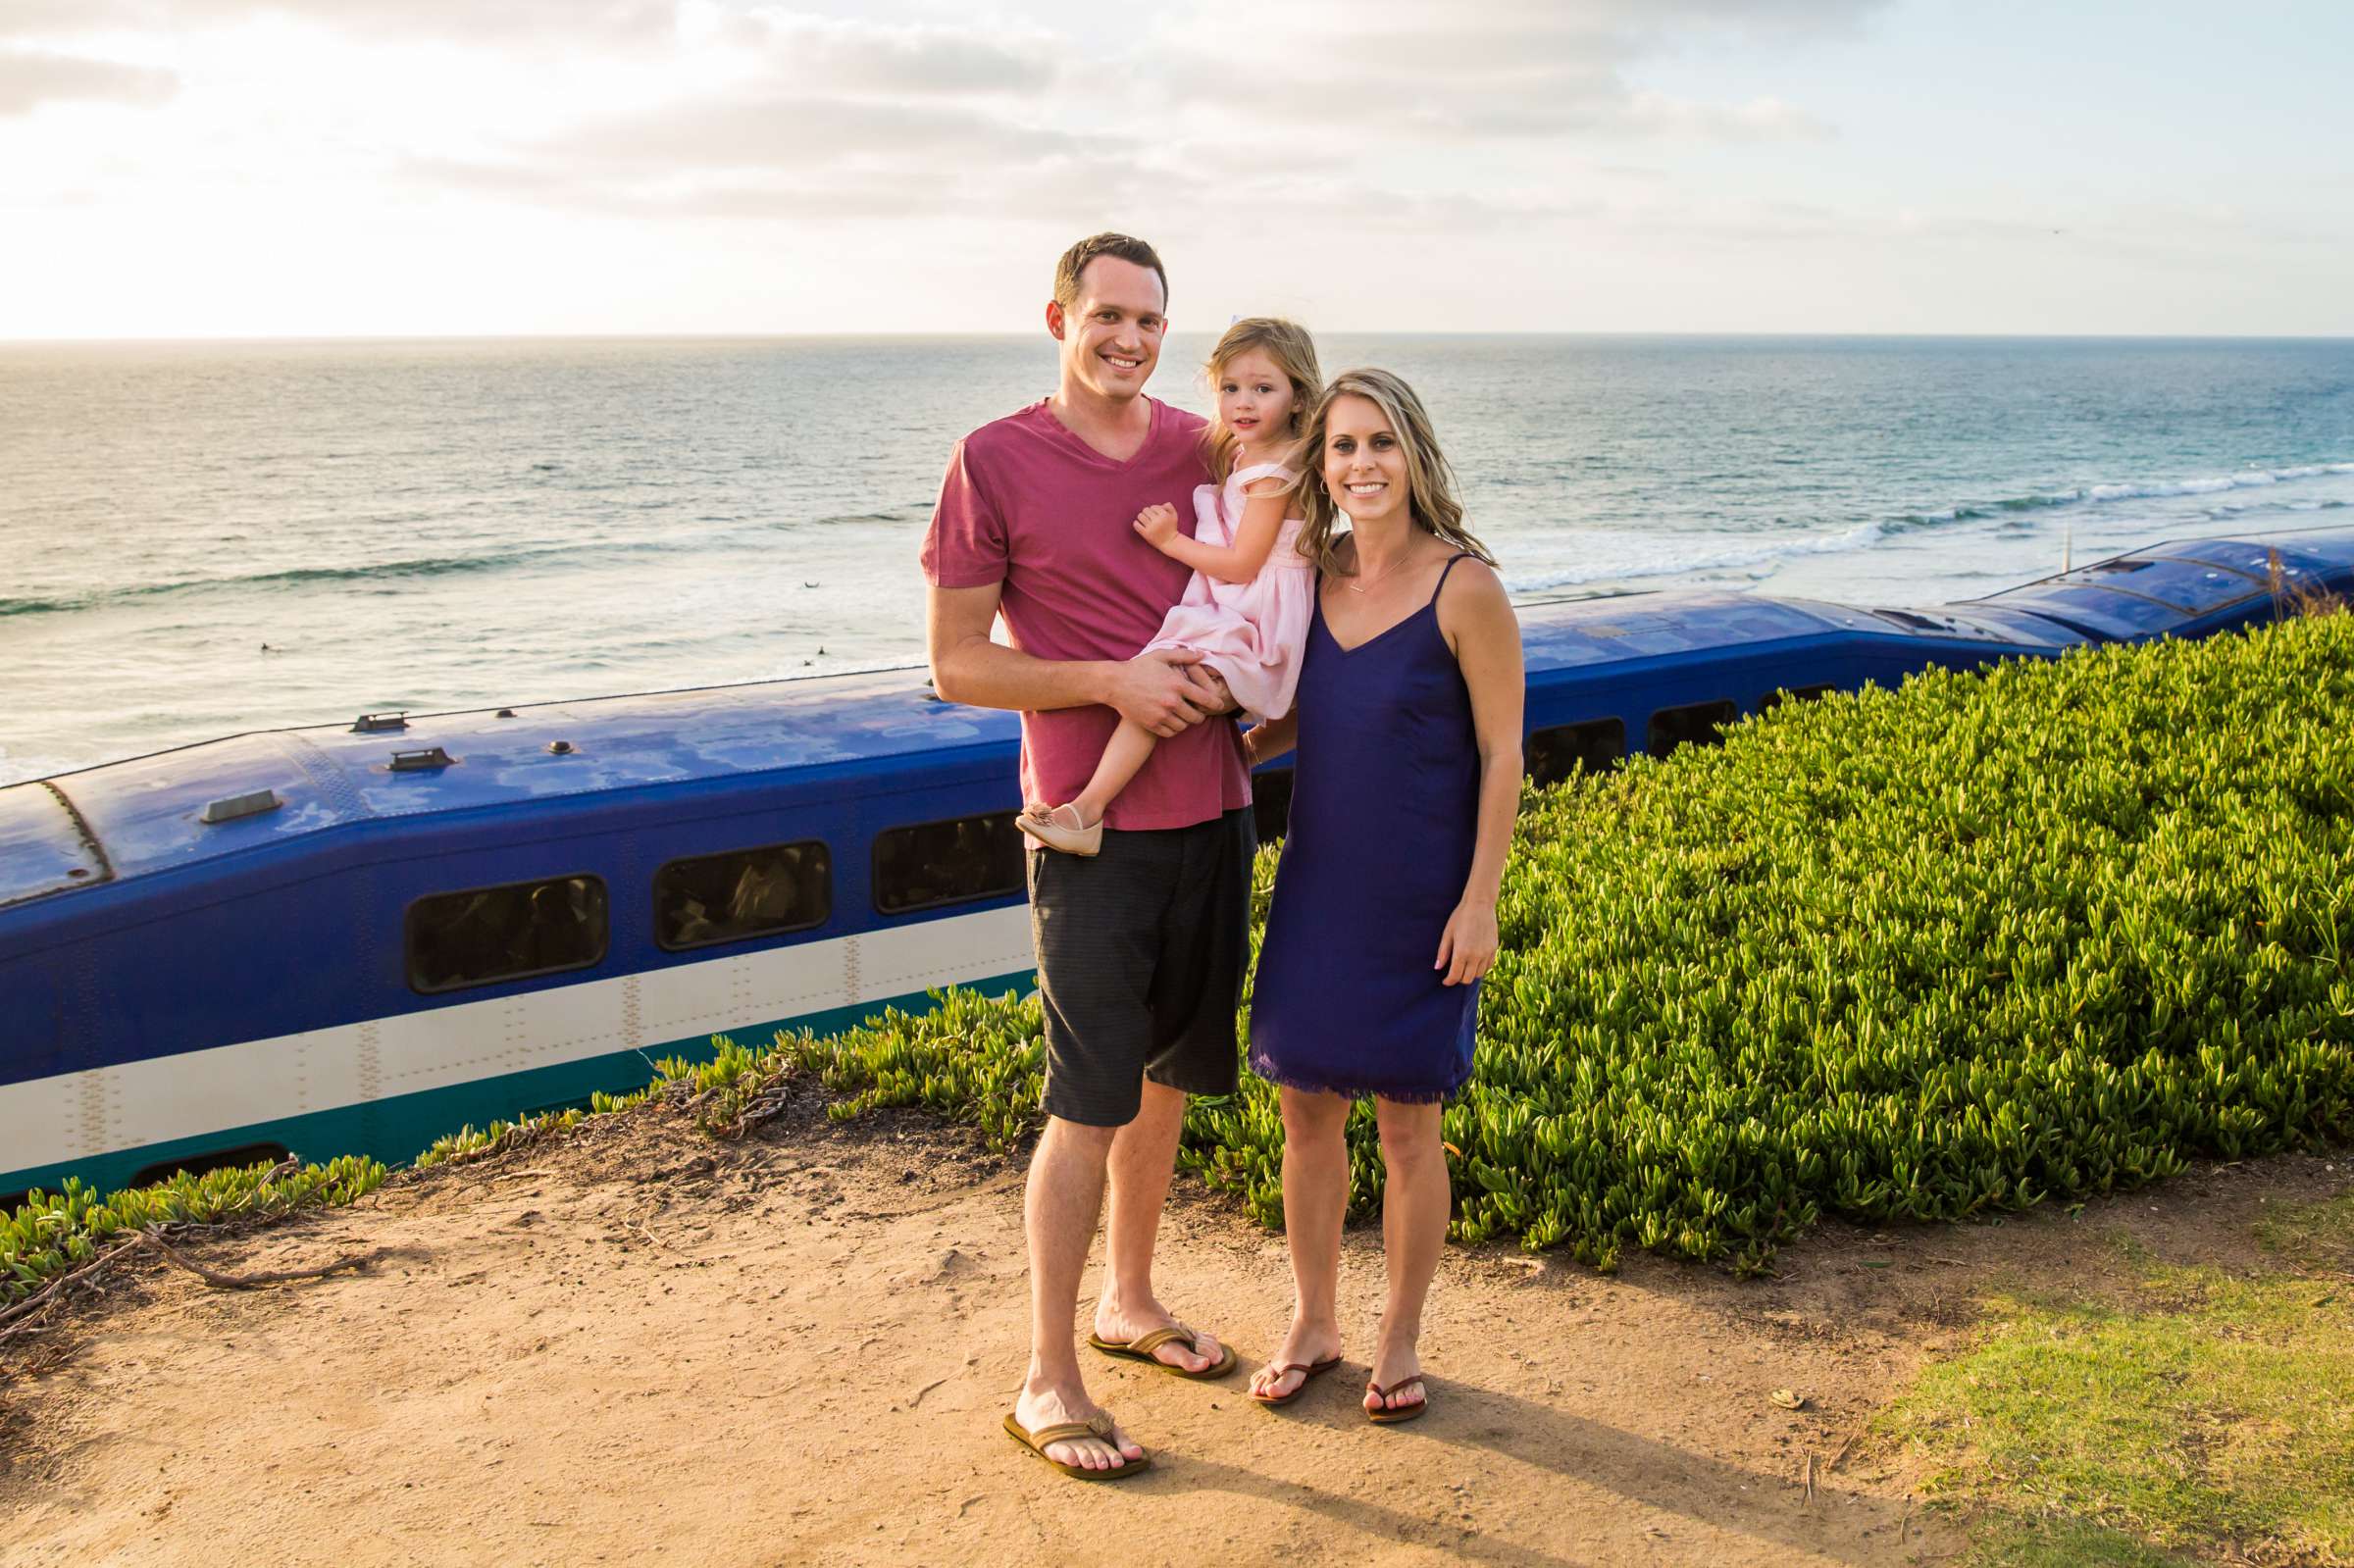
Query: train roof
x=259, y=791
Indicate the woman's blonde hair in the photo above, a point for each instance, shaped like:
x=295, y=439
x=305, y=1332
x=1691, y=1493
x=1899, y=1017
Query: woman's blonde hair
x=1429, y=479
x=1293, y=352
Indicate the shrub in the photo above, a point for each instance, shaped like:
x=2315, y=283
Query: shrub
x=2045, y=930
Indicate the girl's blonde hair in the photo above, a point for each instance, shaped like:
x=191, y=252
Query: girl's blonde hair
x=1429, y=479
x=1293, y=352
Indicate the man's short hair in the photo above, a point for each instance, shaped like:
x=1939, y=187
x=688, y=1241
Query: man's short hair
x=1127, y=247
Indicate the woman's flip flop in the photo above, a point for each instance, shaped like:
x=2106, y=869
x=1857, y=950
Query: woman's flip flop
x=1063, y=1432
x=1310, y=1371
x=1403, y=1412
x=1141, y=1348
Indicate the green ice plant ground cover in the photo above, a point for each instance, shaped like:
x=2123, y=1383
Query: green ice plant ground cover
x=2047, y=930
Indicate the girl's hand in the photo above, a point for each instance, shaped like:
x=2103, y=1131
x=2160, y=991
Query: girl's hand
x=1158, y=524
x=1467, y=947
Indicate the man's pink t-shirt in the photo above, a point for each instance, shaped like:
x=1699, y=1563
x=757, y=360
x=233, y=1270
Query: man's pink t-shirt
x=1028, y=504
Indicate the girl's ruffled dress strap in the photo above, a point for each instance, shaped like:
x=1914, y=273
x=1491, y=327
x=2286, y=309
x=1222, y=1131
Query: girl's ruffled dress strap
x=1259, y=471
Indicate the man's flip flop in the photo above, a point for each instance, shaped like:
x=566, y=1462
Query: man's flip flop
x=1403, y=1412
x=1141, y=1348
x=1309, y=1370
x=1063, y=1432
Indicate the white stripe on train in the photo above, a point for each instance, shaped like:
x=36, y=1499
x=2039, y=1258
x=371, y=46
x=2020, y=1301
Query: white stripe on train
x=75, y=1115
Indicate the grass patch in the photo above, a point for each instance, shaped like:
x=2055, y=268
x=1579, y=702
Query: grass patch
x=2210, y=1416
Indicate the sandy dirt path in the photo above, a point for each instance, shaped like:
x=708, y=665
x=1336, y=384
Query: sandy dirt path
x=638, y=1345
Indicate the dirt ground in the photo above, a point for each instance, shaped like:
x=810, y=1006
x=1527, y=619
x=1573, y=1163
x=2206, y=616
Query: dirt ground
x=641, y=1345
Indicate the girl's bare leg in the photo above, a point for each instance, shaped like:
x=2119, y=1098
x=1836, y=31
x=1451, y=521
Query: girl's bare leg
x=1127, y=751
x=1414, y=1233
x=1315, y=1199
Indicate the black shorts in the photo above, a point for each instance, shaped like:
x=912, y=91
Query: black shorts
x=1140, y=964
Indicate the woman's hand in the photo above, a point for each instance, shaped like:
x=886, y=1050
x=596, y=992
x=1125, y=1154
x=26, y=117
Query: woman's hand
x=1158, y=524
x=1467, y=946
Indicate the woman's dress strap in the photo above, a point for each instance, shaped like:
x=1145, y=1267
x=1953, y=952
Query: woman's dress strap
x=1442, y=582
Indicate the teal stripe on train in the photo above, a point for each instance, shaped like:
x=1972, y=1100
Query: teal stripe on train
x=395, y=1129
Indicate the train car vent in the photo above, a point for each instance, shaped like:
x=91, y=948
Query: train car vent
x=425, y=759
x=504, y=713
x=368, y=724
x=559, y=748
x=229, y=808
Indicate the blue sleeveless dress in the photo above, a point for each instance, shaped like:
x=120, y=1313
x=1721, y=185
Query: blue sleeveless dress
x=1385, y=808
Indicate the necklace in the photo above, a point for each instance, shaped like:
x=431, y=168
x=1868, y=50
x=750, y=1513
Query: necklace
x=1355, y=587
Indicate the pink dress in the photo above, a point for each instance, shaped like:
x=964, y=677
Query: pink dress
x=1250, y=633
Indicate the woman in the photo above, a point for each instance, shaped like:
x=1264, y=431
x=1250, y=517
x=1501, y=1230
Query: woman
x=1408, y=726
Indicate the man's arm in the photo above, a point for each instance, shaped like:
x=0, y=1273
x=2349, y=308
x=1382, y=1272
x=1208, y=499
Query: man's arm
x=1160, y=690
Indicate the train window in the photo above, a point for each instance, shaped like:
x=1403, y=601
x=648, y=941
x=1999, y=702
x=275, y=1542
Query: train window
x=509, y=932
x=745, y=893
x=1271, y=803
x=1559, y=751
x=1696, y=724
x=948, y=862
x=1774, y=699
x=242, y=1158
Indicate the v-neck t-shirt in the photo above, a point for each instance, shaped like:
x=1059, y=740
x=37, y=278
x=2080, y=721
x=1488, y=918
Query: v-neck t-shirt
x=1028, y=504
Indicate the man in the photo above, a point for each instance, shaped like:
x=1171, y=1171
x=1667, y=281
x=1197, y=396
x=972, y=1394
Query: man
x=1141, y=949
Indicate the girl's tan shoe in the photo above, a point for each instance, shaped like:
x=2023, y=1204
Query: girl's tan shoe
x=1060, y=829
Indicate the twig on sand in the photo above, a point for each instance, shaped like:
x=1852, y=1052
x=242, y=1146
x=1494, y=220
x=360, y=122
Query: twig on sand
x=1810, y=1478
x=247, y=1282
x=25, y=1315
x=1840, y=1457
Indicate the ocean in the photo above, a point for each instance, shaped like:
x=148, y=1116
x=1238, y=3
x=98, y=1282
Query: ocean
x=202, y=538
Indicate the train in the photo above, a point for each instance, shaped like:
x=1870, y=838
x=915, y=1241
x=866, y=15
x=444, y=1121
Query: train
x=356, y=938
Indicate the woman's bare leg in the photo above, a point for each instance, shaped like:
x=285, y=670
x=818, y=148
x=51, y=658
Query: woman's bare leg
x=1414, y=1205
x=1315, y=1199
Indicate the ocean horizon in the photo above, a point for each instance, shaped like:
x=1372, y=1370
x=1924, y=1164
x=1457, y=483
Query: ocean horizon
x=212, y=536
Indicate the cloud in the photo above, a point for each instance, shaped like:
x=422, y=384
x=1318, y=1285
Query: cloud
x=1510, y=69
x=30, y=78
x=548, y=26
x=913, y=59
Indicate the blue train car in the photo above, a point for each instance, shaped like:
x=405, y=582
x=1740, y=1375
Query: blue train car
x=355, y=937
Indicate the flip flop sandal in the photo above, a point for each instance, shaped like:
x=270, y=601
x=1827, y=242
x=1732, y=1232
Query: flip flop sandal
x=1064, y=1431
x=1141, y=1348
x=1309, y=1370
x=1403, y=1412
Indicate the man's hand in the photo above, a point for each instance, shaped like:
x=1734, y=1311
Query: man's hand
x=1158, y=524
x=1214, y=698
x=1164, y=691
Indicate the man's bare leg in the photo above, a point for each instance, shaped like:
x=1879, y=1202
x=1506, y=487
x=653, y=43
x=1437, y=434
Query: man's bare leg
x=1060, y=1206
x=1144, y=1156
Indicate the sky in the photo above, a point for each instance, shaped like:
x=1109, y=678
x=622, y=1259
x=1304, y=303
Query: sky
x=395, y=168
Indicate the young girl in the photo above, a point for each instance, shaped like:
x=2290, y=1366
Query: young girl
x=1246, y=610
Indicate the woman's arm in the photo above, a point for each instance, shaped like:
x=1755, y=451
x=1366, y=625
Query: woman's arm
x=1270, y=738
x=1253, y=537
x=1478, y=621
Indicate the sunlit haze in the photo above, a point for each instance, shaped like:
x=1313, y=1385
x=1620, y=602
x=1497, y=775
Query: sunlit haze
x=228, y=167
